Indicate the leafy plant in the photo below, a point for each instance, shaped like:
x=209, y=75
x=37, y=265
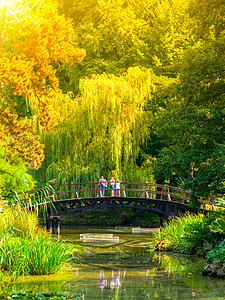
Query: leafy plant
x=218, y=225
x=217, y=252
x=13, y=172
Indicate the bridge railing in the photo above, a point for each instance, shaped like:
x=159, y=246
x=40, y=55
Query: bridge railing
x=127, y=189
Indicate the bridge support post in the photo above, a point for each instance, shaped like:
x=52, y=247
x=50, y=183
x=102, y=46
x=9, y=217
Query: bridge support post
x=58, y=226
x=51, y=223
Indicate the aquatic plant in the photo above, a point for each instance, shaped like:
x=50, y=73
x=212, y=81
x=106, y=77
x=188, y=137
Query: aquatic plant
x=26, y=248
x=17, y=221
x=39, y=255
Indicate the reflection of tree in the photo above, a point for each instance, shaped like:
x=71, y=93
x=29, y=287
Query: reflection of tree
x=36, y=285
x=136, y=283
x=183, y=266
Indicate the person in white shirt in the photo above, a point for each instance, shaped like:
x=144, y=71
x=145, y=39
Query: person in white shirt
x=117, y=188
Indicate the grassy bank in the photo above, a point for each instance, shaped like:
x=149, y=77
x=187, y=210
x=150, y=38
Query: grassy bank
x=195, y=234
x=27, y=249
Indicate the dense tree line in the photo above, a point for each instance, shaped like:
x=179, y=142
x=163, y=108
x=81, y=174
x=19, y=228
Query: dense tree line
x=129, y=88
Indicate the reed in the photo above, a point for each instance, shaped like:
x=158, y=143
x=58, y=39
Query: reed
x=17, y=221
x=25, y=248
x=39, y=255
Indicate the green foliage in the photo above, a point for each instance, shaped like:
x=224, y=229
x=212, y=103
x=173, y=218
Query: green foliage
x=14, y=175
x=125, y=33
x=208, y=23
x=39, y=255
x=17, y=222
x=25, y=248
x=192, y=125
x=218, y=252
x=218, y=225
x=188, y=233
x=102, y=130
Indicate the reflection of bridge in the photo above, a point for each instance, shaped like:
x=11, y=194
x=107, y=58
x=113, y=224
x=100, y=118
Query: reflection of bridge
x=165, y=201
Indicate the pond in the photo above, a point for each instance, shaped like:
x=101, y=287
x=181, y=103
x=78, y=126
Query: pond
x=125, y=270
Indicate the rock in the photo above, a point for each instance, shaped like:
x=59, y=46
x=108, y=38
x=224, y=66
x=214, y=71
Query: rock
x=207, y=266
x=221, y=272
x=216, y=261
x=207, y=246
x=214, y=269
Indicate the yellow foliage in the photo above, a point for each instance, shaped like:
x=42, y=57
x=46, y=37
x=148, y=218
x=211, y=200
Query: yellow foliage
x=162, y=245
x=17, y=220
x=33, y=36
x=22, y=139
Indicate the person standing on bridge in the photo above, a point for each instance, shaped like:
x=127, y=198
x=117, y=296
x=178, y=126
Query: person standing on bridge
x=117, y=188
x=112, y=185
x=103, y=185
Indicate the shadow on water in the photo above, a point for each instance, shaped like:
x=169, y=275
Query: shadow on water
x=126, y=270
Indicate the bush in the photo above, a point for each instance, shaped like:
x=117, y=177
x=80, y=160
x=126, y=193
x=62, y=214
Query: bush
x=14, y=174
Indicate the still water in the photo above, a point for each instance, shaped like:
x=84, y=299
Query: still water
x=126, y=270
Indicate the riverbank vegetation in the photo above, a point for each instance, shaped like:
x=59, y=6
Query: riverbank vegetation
x=26, y=248
x=199, y=235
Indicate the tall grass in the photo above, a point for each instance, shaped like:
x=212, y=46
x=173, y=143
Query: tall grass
x=17, y=221
x=188, y=232
x=25, y=248
x=39, y=255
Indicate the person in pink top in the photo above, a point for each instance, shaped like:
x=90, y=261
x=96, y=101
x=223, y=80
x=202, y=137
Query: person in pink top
x=103, y=185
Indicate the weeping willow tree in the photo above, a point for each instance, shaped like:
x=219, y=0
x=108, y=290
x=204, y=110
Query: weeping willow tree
x=102, y=129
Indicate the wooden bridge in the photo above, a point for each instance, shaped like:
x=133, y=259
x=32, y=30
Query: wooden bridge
x=61, y=200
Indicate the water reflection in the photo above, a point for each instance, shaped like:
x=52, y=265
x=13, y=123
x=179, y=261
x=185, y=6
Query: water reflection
x=127, y=270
